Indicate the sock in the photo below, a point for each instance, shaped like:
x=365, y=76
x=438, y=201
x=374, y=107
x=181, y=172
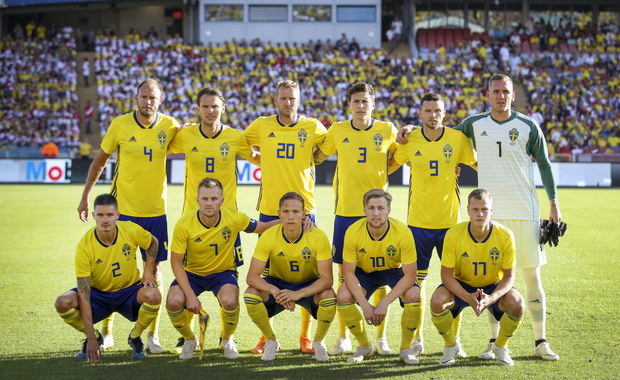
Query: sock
x=420, y=311
x=108, y=325
x=343, y=332
x=179, y=321
x=324, y=316
x=376, y=298
x=443, y=323
x=493, y=325
x=229, y=320
x=258, y=313
x=355, y=322
x=535, y=300
x=508, y=324
x=306, y=321
x=456, y=325
x=146, y=314
x=408, y=323
x=73, y=318
x=154, y=326
x=191, y=319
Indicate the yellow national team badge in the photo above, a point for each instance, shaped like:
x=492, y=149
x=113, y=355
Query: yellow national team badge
x=513, y=134
x=302, y=136
x=224, y=150
x=307, y=254
x=226, y=233
x=494, y=254
x=390, y=251
x=162, y=139
x=126, y=250
x=448, y=151
x=378, y=140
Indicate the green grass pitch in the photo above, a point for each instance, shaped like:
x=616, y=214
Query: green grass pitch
x=39, y=229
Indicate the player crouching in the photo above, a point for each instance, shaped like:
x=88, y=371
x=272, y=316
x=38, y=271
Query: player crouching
x=477, y=270
x=300, y=272
x=378, y=251
x=109, y=280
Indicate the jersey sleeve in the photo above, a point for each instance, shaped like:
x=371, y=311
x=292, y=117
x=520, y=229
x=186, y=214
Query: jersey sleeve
x=261, y=251
x=251, y=133
x=349, y=252
x=176, y=146
x=142, y=237
x=179, y=238
x=245, y=151
x=407, y=249
x=323, y=248
x=401, y=155
x=468, y=154
x=448, y=257
x=82, y=260
x=468, y=130
x=328, y=147
x=537, y=147
x=243, y=221
x=319, y=133
x=393, y=145
x=110, y=140
x=509, y=251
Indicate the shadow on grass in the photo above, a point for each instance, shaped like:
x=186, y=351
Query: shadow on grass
x=288, y=364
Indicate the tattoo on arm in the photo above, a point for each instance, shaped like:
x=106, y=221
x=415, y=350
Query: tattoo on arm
x=83, y=284
x=152, y=250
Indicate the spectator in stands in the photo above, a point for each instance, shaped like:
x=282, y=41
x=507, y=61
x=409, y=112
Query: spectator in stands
x=89, y=112
x=50, y=150
x=86, y=71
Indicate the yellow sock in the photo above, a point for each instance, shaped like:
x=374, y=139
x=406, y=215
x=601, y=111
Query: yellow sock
x=443, y=322
x=145, y=316
x=306, y=321
x=73, y=318
x=179, y=321
x=355, y=322
x=508, y=324
x=324, y=317
x=343, y=332
x=191, y=319
x=229, y=319
x=420, y=311
x=376, y=298
x=154, y=326
x=408, y=323
x=258, y=313
x=108, y=325
x=456, y=325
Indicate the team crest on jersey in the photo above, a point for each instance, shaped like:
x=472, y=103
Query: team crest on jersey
x=447, y=152
x=162, y=139
x=494, y=254
x=306, y=253
x=126, y=250
x=224, y=150
x=390, y=251
x=378, y=140
x=226, y=233
x=302, y=136
x=513, y=134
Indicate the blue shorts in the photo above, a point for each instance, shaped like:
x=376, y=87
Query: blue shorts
x=268, y=218
x=210, y=283
x=425, y=240
x=341, y=225
x=459, y=304
x=124, y=302
x=374, y=280
x=238, y=251
x=158, y=227
x=273, y=308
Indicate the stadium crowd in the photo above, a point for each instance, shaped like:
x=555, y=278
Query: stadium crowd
x=38, y=82
x=572, y=96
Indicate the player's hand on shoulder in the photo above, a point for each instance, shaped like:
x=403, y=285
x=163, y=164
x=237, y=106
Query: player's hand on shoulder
x=308, y=224
x=403, y=133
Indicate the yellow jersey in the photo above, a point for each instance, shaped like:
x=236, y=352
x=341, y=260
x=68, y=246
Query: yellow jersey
x=139, y=182
x=394, y=248
x=111, y=267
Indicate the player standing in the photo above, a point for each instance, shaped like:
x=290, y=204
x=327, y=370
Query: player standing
x=434, y=203
x=477, y=270
x=141, y=140
x=378, y=251
x=300, y=272
x=364, y=146
x=109, y=280
x=203, y=259
x=287, y=142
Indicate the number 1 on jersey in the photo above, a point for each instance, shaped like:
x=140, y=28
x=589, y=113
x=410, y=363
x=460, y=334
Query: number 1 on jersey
x=499, y=144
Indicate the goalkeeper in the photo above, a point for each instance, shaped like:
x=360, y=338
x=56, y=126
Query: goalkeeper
x=203, y=260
